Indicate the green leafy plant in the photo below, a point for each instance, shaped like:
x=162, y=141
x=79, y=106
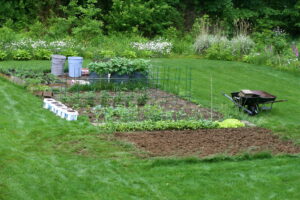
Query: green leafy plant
x=104, y=98
x=231, y=123
x=120, y=66
x=129, y=54
x=142, y=99
x=117, y=100
x=219, y=52
x=159, y=125
x=3, y=55
x=34, y=88
x=69, y=52
x=42, y=54
x=22, y=54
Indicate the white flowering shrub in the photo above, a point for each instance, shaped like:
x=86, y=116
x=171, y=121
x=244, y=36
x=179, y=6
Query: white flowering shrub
x=40, y=44
x=38, y=49
x=157, y=46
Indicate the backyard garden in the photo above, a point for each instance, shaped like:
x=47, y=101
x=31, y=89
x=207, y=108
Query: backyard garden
x=98, y=105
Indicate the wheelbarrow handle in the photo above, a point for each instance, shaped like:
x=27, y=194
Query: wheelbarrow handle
x=238, y=105
x=277, y=101
x=283, y=100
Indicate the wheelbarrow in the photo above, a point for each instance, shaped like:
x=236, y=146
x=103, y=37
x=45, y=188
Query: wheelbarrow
x=253, y=101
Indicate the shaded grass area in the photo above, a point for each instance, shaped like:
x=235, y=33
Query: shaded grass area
x=212, y=78
x=44, y=157
x=33, y=65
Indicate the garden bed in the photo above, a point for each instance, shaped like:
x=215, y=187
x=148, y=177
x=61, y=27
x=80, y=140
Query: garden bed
x=207, y=142
x=147, y=104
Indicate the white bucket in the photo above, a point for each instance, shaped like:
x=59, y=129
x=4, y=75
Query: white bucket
x=71, y=115
x=60, y=109
x=55, y=106
x=48, y=103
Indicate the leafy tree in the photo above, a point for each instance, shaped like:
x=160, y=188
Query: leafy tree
x=148, y=17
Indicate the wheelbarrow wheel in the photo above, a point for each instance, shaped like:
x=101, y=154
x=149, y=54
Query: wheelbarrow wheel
x=254, y=109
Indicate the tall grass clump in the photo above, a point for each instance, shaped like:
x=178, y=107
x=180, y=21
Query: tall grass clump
x=241, y=44
x=205, y=41
x=214, y=44
x=208, y=35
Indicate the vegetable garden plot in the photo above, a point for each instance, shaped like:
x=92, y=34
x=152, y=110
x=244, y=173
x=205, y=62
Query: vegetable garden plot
x=155, y=97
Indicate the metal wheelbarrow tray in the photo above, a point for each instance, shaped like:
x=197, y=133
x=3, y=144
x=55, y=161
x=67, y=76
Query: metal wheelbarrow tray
x=253, y=101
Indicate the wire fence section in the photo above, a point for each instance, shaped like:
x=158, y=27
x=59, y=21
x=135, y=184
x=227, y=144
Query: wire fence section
x=170, y=80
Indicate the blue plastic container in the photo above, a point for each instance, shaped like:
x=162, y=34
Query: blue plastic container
x=75, y=65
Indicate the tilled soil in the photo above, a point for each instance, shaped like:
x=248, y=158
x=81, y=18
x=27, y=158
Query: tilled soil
x=205, y=142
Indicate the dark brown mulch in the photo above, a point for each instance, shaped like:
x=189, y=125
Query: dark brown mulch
x=205, y=142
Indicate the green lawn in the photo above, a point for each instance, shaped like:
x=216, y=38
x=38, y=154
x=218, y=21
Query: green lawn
x=44, y=157
x=234, y=76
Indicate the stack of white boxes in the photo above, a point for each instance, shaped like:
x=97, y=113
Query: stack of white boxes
x=60, y=109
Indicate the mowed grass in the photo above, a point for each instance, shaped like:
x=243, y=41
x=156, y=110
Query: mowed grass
x=44, y=157
x=212, y=78
x=34, y=65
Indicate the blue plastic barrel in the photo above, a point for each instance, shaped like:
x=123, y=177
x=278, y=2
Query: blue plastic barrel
x=75, y=65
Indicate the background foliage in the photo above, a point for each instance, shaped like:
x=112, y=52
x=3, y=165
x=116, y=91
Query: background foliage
x=150, y=17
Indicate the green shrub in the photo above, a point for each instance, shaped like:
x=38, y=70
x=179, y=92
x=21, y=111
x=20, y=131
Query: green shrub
x=219, y=52
x=231, y=123
x=69, y=52
x=42, y=54
x=22, y=54
x=3, y=55
x=276, y=40
x=183, y=46
x=88, y=54
x=129, y=54
x=171, y=33
x=256, y=58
